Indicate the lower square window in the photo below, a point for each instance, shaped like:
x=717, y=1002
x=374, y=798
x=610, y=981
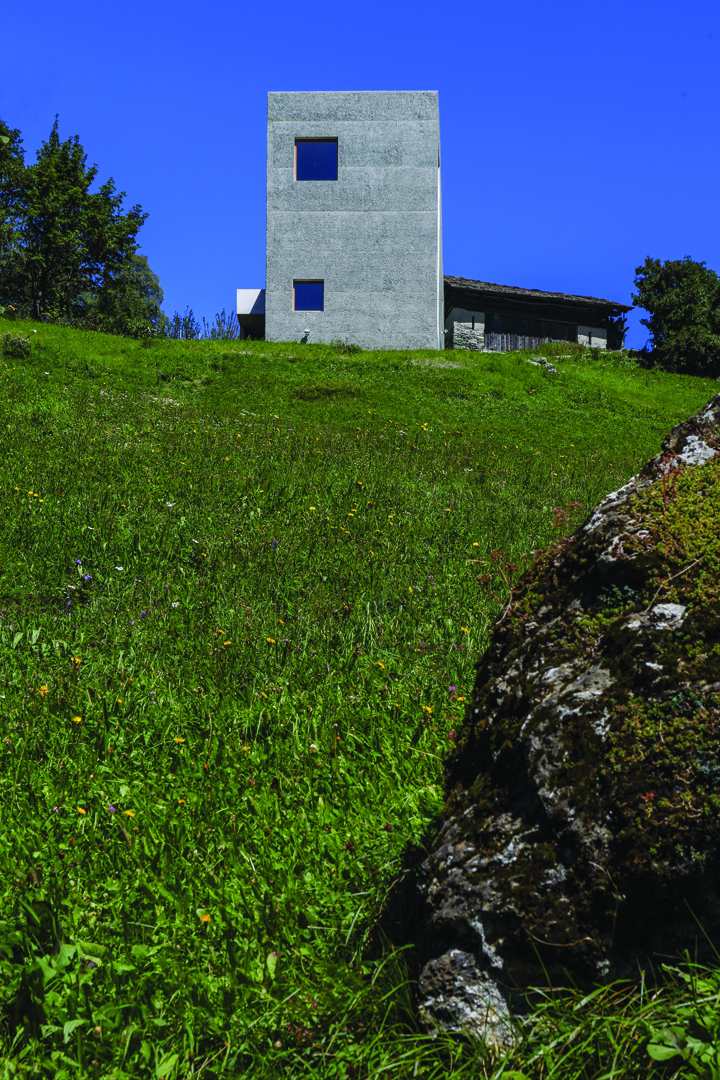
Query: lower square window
x=308, y=295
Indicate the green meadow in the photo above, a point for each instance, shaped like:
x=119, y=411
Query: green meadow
x=243, y=586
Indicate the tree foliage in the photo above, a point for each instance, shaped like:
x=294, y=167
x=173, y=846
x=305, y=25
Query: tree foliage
x=68, y=252
x=683, y=301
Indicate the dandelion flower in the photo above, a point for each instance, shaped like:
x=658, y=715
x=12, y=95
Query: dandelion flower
x=181, y=802
x=179, y=740
x=427, y=709
x=313, y=507
x=281, y=622
x=81, y=811
x=461, y=699
x=205, y=918
x=130, y=813
x=475, y=544
x=271, y=641
x=43, y=690
x=77, y=719
x=464, y=629
x=119, y=700
x=227, y=642
x=380, y=665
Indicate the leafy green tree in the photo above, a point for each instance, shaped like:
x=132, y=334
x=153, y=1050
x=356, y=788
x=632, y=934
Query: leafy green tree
x=129, y=301
x=12, y=169
x=67, y=252
x=683, y=301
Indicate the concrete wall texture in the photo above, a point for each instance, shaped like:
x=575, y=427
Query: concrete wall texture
x=373, y=236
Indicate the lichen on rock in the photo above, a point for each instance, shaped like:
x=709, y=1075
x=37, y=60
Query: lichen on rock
x=582, y=837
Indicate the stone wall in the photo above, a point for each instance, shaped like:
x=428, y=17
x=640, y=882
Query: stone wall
x=464, y=337
x=593, y=336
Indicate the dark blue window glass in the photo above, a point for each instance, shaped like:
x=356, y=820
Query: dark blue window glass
x=316, y=159
x=309, y=296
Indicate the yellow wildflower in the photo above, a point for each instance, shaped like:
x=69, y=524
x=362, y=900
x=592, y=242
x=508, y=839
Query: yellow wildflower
x=271, y=641
x=178, y=739
x=130, y=813
x=43, y=690
x=81, y=811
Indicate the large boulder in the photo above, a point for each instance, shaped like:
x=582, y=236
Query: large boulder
x=582, y=837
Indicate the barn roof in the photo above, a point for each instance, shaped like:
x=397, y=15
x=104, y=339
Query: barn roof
x=513, y=292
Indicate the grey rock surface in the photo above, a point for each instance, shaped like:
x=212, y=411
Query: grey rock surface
x=582, y=833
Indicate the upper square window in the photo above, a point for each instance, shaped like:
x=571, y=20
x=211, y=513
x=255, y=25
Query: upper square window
x=316, y=159
x=308, y=296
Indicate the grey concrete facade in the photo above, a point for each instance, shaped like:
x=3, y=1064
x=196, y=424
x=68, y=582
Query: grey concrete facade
x=373, y=236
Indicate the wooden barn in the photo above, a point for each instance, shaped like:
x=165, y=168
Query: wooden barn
x=485, y=317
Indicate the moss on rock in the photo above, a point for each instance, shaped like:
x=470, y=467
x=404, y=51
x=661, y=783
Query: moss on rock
x=583, y=829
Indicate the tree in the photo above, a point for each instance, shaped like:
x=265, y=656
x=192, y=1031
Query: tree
x=67, y=252
x=129, y=301
x=683, y=300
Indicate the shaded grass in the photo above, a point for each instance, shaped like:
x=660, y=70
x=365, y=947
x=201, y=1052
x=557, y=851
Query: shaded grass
x=242, y=593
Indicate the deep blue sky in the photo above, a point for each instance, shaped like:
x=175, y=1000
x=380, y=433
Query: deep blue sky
x=577, y=137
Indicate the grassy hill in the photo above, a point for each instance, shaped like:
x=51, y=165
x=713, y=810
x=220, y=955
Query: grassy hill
x=242, y=589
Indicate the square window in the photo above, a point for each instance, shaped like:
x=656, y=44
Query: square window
x=308, y=295
x=316, y=159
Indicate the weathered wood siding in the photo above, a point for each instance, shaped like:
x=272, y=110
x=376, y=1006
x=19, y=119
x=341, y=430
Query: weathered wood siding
x=495, y=342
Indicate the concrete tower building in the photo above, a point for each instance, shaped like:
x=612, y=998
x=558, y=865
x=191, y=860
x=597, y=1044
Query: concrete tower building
x=354, y=243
